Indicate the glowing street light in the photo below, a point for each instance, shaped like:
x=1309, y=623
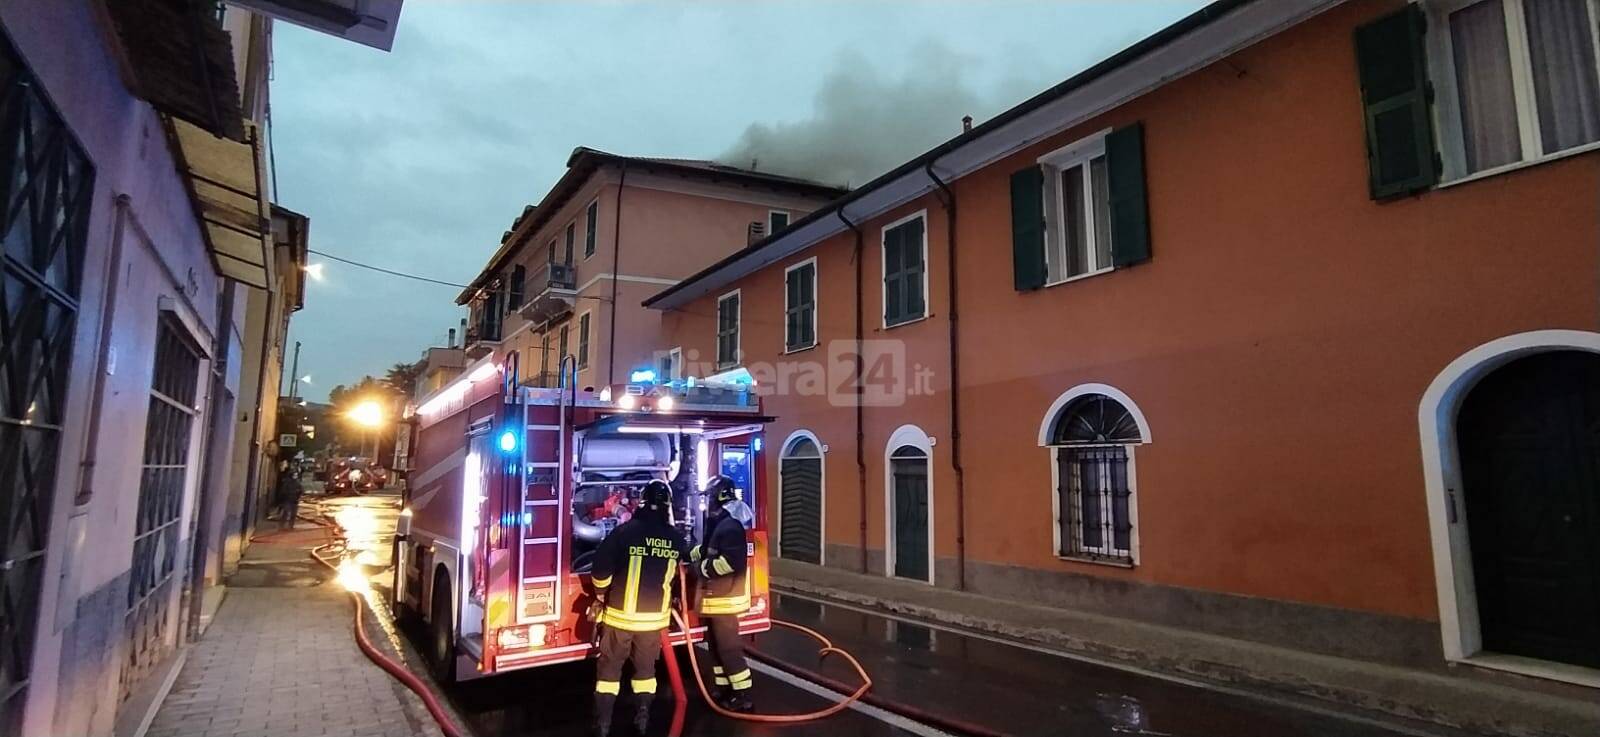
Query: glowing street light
x=314, y=271
x=367, y=414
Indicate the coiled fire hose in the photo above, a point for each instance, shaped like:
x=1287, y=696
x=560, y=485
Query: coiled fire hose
x=397, y=670
x=681, y=615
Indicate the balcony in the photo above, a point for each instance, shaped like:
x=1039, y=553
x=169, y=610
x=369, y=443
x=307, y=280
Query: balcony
x=482, y=339
x=543, y=380
x=554, y=290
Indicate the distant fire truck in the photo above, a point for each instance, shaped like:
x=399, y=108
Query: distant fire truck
x=510, y=490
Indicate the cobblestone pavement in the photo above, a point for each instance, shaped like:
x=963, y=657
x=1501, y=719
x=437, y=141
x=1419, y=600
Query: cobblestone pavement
x=281, y=659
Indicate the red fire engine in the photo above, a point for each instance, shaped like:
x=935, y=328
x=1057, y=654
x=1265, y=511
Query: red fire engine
x=511, y=489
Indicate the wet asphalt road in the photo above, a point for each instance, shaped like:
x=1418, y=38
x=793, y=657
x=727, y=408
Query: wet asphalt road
x=1018, y=691
x=556, y=702
x=1005, y=688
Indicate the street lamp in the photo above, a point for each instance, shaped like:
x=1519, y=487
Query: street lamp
x=368, y=414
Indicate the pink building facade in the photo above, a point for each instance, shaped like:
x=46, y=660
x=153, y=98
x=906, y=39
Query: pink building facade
x=570, y=275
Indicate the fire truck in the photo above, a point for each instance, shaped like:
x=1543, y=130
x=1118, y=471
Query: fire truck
x=510, y=490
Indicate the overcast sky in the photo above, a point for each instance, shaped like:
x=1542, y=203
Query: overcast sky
x=417, y=160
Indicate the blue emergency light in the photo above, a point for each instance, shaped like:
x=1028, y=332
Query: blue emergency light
x=508, y=441
x=642, y=376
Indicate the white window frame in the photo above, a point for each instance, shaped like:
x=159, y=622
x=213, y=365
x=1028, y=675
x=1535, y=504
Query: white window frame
x=816, y=299
x=584, y=343
x=676, y=357
x=883, y=271
x=1079, y=152
x=917, y=438
x=738, y=331
x=591, y=230
x=1447, y=110
x=789, y=220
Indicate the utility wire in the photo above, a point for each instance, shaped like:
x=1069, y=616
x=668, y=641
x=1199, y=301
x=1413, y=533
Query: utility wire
x=386, y=271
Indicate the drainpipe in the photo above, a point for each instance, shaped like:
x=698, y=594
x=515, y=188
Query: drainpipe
x=220, y=342
x=616, y=276
x=948, y=198
x=97, y=394
x=861, y=435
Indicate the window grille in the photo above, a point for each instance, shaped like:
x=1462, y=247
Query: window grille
x=46, y=184
x=1095, y=496
x=1093, y=439
x=167, y=439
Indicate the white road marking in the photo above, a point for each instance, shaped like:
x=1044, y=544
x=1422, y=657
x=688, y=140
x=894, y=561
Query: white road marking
x=887, y=717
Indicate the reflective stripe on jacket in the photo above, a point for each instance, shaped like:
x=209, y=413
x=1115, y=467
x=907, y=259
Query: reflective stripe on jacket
x=635, y=565
x=724, y=569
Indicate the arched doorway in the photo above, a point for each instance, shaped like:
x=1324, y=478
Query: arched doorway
x=800, y=482
x=1528, y=436
x=910, y=552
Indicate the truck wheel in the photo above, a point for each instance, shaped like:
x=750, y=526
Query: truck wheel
x=442, y=641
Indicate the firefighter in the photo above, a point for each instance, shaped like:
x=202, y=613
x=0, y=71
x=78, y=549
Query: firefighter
x=722, y=564
x=633, y=572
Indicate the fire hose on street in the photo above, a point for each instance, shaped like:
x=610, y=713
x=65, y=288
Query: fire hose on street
x=330, y=554
x=346, y=575
x=851, y=694
x=681, y=615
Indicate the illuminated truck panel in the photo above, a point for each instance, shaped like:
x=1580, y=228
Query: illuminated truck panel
x=513, y=488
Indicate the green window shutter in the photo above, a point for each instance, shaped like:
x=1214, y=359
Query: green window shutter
x=1027, y=228
x=1395, y=95
x=1130, y=212
x=911, y=277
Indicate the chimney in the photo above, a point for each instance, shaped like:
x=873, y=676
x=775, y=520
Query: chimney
x=966, y=123
x=758, y=230
x=452, y=341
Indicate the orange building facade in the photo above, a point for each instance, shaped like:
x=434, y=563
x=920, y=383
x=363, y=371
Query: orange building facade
x=1208, y=336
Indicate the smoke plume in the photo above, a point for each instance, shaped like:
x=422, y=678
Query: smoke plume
x=865, y=122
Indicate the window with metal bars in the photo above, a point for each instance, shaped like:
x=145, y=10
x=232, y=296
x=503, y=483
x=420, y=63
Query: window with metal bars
x=46, y=184
x=169, y=432
x=1093, y=441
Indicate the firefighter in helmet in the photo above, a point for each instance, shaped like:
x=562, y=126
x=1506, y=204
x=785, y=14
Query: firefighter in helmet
x=633, y=572
x=722, y=565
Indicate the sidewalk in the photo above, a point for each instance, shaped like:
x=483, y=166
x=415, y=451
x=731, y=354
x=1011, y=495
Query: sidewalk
x=1489, y=703
x=281, y=660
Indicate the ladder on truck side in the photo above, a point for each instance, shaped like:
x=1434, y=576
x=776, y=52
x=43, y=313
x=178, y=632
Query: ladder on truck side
x=543, y=529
